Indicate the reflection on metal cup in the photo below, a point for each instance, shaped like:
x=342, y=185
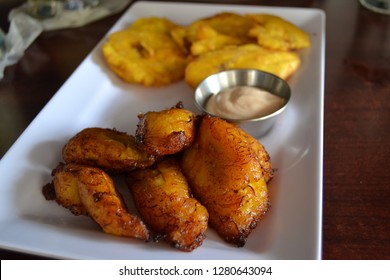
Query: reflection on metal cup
x=379, y=6
x=42, y=8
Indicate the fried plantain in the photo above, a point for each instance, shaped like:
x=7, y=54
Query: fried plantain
x=66, y=190
x=225, y=172
x=145, y=53
x=163, y=199
x=86, y=190
x=276, y=33
x=166, y=132
x=105, y=205
x=109, y=149
x=155, y=24
x=218, y=31
x=280, y=63
x=156, y=51
x=210, y=40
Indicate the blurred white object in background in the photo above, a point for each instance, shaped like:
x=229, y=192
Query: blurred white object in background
x=22, y=32
x=379, y=6
x=25, y=28
x=43, y=8
x=79, y=4
x=74, y=16
x=2, y=43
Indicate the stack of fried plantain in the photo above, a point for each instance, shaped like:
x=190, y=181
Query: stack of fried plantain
x=182, y=170
x=156, y=51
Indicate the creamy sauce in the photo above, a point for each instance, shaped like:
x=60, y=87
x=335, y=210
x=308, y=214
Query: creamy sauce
x=243, y=102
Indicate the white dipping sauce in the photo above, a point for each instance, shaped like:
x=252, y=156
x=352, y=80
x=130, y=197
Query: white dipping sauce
x=243, y=102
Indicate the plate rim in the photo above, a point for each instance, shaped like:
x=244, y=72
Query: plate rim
x=13, y=149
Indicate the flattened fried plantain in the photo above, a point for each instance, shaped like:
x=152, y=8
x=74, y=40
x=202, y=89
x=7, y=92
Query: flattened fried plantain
x=218, y=31
x=105, y=148
x=276, y=33
x=225, y=172
x=155, y=51
x=163, y=199
x=280, y=63
x=105, y=205
x=146, y=53
x=155, y=24
x=166, y=132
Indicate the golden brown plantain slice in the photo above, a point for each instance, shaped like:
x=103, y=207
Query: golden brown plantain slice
x=105, y=148
x=155, y=24
x=280, y=63
x=66, y=189
x=166, y=132
x=276, y=33
x=225, y=172
x=210, y=40
x=86, y=190
x=179, y=35
x=262, y=155
x=163, y=199
x=104, y=204
x=145, y=53
x=226, y=23
x=218, y=31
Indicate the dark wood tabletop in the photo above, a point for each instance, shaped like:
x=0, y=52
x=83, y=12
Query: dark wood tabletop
x=356, y=177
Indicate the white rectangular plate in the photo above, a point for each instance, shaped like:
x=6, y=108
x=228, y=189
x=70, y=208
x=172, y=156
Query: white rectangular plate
x=93, y=96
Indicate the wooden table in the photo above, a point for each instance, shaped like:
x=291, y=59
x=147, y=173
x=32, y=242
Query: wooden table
x=356, y=214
